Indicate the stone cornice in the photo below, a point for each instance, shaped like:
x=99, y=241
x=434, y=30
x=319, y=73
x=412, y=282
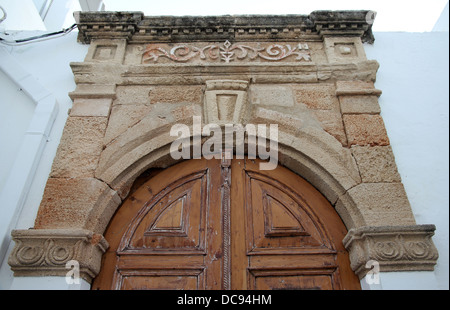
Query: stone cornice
x=137, y=28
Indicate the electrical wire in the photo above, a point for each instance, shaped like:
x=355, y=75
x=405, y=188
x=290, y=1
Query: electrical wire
x=4, y=14
x=39, y=38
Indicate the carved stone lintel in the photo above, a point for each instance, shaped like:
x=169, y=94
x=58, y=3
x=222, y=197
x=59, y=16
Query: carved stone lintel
x=45, y=252
x=395, y=248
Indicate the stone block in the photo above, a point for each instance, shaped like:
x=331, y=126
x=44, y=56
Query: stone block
x=365, y=129
x=80, y=147
x=271, y=95
x=91, y=91
x=344, y=49
x=76, y=203
x=355, y=88
x=376, y=164
x=331, y=122
x=132, y=94
x=176, y=94
x=375, y=204
x=91, y=107
x=318, y=96
x=359, y=104
x=123, y=117
x=106, y=51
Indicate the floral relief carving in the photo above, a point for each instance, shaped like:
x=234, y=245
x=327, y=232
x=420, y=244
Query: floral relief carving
x=226, y=52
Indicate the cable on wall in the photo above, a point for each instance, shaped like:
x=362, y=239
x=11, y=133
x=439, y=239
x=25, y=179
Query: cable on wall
x=42, y=37
x=4, y=14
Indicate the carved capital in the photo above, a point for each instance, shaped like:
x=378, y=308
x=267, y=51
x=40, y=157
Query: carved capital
x=395, y=248
x=45, y=252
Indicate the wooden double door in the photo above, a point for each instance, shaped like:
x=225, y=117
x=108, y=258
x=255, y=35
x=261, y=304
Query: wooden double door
x=225, y=224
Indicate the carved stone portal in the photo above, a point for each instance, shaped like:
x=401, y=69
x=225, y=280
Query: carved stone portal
x=308, y=74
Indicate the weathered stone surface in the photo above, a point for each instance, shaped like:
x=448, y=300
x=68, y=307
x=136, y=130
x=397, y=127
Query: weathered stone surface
x=375, y=204
x=317, y=96
x=111, y=51
x=91, y=91
x=132, y=94
x=271, y=95
x=302, y=138
x=365, y=129
x=74, y=204
x=45, y=252
x=359, y=104
x=176, y=94
x=376, y=164
x=140, y=28
x=80, y=147
x=123, y=117
x=356, y=88
x=331, y=122
x=91, y=107
x=142, y=138
x=225, y=101
x=344, y=49
x=392, y=248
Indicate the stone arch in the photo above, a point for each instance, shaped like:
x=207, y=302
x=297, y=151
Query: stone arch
x=311, y=153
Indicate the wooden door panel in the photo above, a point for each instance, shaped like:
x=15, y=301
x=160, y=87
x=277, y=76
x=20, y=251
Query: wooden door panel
x=189, y=227
x=277, y=219
x=292, y=280
x=160, y=280
x=280, y=261
x=174, y=220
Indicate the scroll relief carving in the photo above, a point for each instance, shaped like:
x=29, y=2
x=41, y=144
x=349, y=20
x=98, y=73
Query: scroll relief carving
x=226, y=52
x=406, y=248
x=41, y=252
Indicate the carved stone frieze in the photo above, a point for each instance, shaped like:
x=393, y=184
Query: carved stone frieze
x=227, y=52
x=43, y=252
x=394, y=248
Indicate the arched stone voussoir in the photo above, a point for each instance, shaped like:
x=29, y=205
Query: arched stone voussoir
x=311, y=153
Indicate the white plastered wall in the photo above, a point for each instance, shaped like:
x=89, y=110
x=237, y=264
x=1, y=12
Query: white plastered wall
x=414, y=77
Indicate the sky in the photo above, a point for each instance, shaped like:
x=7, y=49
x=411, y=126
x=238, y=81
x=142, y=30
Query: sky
x=392, y=15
